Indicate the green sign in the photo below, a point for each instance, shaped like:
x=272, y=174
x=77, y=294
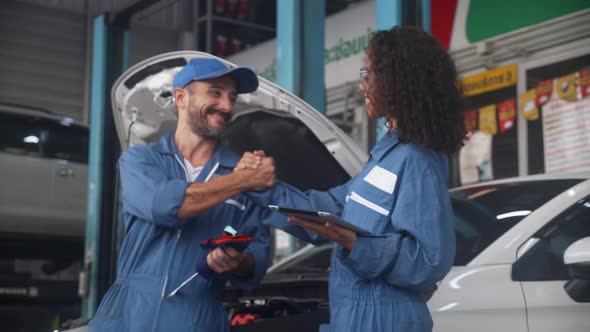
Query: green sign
x=488, y=19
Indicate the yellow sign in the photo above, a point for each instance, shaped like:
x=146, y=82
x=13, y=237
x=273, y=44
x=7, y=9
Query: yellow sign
x=487, y=120
x=566, y=87
x=489, y=80
x=528, y=107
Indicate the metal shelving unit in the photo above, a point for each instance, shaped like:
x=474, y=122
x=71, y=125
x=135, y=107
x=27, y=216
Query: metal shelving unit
x=213, y=23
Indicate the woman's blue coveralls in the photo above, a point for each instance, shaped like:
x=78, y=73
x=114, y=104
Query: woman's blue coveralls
x=402, y=193
x=160, y=251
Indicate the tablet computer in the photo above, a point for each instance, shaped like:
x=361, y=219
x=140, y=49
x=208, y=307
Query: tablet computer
x=321, y=218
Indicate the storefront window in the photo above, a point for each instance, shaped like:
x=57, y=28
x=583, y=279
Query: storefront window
x=574, y=152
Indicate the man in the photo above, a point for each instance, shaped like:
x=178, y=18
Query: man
x=177, y=193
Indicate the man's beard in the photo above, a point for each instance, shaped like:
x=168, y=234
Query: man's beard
x=200, y=126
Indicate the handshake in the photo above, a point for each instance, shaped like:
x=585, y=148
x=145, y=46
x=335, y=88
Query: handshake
x=257, y=170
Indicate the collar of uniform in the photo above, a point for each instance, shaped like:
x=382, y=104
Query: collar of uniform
x=166, y=145
x=385, y=144
x=224, y=156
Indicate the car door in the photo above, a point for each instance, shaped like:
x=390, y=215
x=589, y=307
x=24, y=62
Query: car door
x=25, y=175
x=477, y=297
x=310, y=151
x=66, y=147
x=542, y=273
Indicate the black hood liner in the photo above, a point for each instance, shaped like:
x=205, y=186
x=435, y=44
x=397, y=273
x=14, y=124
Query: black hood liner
x=302, y=160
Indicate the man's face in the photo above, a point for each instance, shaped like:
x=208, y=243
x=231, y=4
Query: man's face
x=211, y=106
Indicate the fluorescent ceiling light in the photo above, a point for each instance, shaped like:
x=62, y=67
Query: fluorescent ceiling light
x=31, y=139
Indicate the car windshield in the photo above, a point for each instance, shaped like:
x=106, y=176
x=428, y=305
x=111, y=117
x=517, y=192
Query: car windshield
x=485, y=212
x=482, y=214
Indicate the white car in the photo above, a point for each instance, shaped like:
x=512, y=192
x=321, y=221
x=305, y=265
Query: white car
x=510, y=274
x=511, y=234
x=44, y=176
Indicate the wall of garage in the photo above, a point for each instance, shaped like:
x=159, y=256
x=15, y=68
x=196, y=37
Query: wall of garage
x=43, y=57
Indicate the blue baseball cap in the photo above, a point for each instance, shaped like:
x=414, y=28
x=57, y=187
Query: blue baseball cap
x=204, y=68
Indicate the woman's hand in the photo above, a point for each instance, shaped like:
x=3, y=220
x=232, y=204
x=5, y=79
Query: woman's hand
x=340, y=235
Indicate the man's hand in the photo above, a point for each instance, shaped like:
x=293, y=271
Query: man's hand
x=258, y=170
x=228, y=259
x=264, y=176
x=250, y=160
x=330, y=231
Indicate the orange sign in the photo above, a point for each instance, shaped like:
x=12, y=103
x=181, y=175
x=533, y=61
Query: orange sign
x=585, y=82
x=470, y=120
x=507, y=114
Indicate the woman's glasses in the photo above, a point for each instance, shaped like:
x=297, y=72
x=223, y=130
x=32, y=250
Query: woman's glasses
x=363, y=72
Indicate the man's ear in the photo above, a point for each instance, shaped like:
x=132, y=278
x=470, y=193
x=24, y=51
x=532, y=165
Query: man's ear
x=180, y=97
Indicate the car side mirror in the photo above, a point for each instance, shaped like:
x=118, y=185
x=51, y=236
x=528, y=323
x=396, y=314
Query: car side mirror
x=577, y=259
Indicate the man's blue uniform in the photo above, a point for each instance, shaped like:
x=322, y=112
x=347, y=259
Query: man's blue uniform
x=401, y=193
x=160, y=251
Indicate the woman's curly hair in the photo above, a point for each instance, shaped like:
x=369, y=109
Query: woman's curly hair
x=414, y=80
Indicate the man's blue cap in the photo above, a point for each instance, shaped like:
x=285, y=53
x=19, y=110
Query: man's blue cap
x=205, y=68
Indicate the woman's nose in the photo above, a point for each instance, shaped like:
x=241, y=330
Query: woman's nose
x=363, y=87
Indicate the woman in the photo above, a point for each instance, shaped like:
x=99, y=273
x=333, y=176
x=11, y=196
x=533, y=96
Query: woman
x=380, y=283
